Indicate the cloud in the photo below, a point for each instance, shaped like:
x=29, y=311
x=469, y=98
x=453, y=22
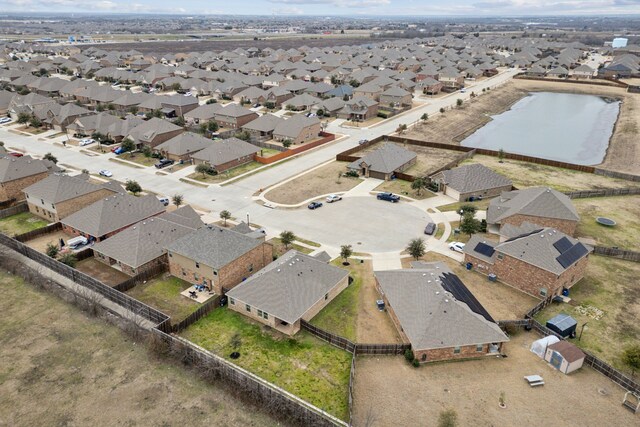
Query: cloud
x=288, y=11
x=493, y=4
x=339, y=3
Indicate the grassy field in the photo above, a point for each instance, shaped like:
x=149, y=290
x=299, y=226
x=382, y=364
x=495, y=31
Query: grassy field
x=59, y=367
x=139, y=159
x=313, y=370
x=228, y=174
x=624, y=210
x=609, y=285
x=481, y=205
x=279, y=249
x=21, y=223
x=402, y=187
x=164, y=295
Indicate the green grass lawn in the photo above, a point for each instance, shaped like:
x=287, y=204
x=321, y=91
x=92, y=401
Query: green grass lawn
x=439, y=230
x=228, y=174
x=480, y=205
x=609, y=285
x=339, y=316
x=624, y=210
x=305, y=366
x=403, y=188
x=164, y=295
x=279, y=249
x=307, y=242
x=268, y=152
x=21, y=223
x=139, y=158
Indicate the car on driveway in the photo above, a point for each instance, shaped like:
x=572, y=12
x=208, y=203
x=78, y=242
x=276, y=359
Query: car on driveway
x=4, y=120
x=456, y=246
x=15, y=154
x=163, y=163
x=315, y=205
x=86, y=141
x=333, y=198
x=389, y=197
x=430, y=228
x=118, y=151
x=105, y=172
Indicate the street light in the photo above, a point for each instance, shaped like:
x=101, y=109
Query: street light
x=248, y=223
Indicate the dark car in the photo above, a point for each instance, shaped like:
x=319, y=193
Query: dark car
x=163, y=163
x=390, y=197
x=430, y=228
x=315, y=205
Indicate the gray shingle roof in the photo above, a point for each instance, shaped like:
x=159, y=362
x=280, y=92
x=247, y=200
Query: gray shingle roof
x=222, y=151
x=264, y=123
x=536, y=201
x=293, y=126
x=12, y=168
x=59, y=188
x=430, y=316
x=213, y=246
x=186, y=142
x=288, y=287
x=148, y=130
x=386, y=159
x=113, y=213
x=474, y=177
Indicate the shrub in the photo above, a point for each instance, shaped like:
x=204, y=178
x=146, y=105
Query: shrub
x=211, y=101
x=287, y=143
x=69, y=258
x=442, y=110
x=408, y=355
x=352, y=174
x=448, y=418
x=52, y=250
x=415, y=363
x=383, y=115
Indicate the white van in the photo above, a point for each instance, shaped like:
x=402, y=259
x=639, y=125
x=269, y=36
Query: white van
x=77, y=242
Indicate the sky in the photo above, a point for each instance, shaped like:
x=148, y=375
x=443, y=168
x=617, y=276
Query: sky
x=333, y=7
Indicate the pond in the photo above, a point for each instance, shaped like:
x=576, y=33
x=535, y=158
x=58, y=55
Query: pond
x=558, y=126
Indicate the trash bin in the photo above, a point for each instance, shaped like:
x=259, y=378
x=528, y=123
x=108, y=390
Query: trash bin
x=565, y=292
x=469, y=266
x=492, y=277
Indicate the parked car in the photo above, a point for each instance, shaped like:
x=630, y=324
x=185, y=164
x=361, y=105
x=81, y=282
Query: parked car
x=163, y=163
x=315, y=205
x=363, y=141
x=188, y=94
x=4, y=120
x=333, y=198
x=15, y=154
x=390, y=197
x=118, y=151
x=164, y=200
x=77, y=242
x=113, y=149
x=256, y=105
x=456, y=246
x=86, y=141
x=430, y=229
x=105, y=172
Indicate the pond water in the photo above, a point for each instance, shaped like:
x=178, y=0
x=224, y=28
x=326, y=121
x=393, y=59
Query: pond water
x=558, y=126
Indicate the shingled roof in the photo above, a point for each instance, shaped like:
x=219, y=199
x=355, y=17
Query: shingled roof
x=222, y=151
x=387, y=159
x=474, y=177
x=12, y=168
x=59, y=188
x=186, y=142
x=536, y=201
x=289, y=286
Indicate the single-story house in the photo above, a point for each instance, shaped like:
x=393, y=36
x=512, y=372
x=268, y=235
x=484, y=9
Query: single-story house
x=434, y=311
x=384, y=162
x=143, y=245
x=154, y=132
x=297, y=129
x=110, y=215
x=292, y=288
x=217, y=257
x=233, y=116
x=203, y=114
x=540, y=263
x=564, y=356
x=225, y=154
x=58, y=196
x=182, y=146
x=538, y=205
x=18, y=173
x=471, y=180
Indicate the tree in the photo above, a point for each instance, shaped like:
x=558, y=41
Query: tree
x=111, y=107
x=287, y=238
x=100, y=108
x=133, y=110
x=320, y=112
x=418, y=184
x=401, y=128
x=203, y=168
x=501, y=156
x=459, y=102
x=175, y=87
x=243, y=135
x=448, y=418
x=180, y=121
x=202, y=128
x=35, y=122
x=345, y=253
x=50, y=157
x=469, y=224
x=211, y=101
x=467, y=208
x=23, y=118
x=424, y=117
x=69, y=258
x=52, y=250
x=287, y=143
x=631, y=357
x=133, y=187
x=97, y=136
x=225, y=215
x=177, y=200
x=212, y=126
x=354, y=83
x=416, y=248
x=85, y=171
x=128, y=145
x=147, y=151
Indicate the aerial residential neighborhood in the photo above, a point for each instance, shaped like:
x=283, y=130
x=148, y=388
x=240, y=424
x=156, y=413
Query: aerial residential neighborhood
x=341, y=214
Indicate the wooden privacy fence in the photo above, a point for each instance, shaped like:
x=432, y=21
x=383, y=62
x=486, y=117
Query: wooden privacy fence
x=86, y=281
x=352, y=377
x=30, y=235
x=605, y=192
x=143, y=276
x=614, y=174
x=592, y=81
x=202, y=311
x=617, y=253
x=14, y=210
x=326, y=137
x=381, y=349
x=250, y=386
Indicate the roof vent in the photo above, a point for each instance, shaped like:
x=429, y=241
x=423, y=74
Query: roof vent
x=437, y=292
x=446, y=300
x=278, y=270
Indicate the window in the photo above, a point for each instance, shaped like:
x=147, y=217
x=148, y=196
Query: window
x=215, y=272
x=42, y=201
x=543, y=292
x=259, y=313
x=326, y=296
x=197, y=265
x=500, y=256
x=232, y=301
x=479, y=348
x=265, y=315
x=250, y=268
x=456, y=350
x=195, y=276
x=170, y=255
x=248, y=308
x=424, y=357
x=184, y=273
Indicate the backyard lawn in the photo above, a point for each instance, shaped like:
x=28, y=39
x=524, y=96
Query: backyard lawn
x=609, y=286
x=228, y=174
x=625, y=210
x=311, y=369
x=21, y=223
x=163, y=294
x=402, y=187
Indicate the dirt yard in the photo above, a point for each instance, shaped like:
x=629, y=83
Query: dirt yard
x=525, y=174
x=428, y=161
x=393, y=393
x=323, y=180
x=501, y=301
x=624, y=210
x=60, y=367
x=40, y=243
x=101, y=271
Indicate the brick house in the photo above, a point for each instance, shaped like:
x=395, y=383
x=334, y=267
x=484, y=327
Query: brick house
x=58, y=196
x=538, y=205
x=293, y=287
x=154, y=132
x=434, y=311
x=18, y=173
x=471, y=180
x=233, y=116
x=111, y=215
x=217, y=257
x=297, y=129
x=540, y=263
x=396, y=96
x=262, y=128
x=384, y=162
x=224, y=154
x=203, y=114
x=359, y=108
x=143, y=245
x=182, y=146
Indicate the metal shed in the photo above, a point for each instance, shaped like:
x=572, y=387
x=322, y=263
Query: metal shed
x=563, y=324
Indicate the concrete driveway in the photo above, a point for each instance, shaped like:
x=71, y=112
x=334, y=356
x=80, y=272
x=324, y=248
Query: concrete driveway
x=368, y=224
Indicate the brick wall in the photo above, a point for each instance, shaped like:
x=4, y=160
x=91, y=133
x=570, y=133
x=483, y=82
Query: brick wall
x=440, y=354
x=159, y=139
x=566, y=226
x=334, y=292
x=57, y=211
x=13, y=189
x=491, y=192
